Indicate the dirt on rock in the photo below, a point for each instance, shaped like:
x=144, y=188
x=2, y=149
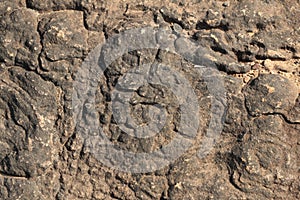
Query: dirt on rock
x=144, y=99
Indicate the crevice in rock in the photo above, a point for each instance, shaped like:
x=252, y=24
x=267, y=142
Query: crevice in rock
x=203, y=25
x=265, y=57
x=42, y=49
x=9, y=176
x=285, y=118
x=172, y=18
x=244, y=56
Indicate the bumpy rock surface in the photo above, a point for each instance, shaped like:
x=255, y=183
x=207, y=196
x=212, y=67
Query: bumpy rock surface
x=270, y=94
x=241, y=59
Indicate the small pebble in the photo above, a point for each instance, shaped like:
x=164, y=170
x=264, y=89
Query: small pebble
x=268, y=64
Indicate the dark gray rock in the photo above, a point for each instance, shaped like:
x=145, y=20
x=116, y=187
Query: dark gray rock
x=265, y=157
x=19, y=38
x=52, y=4
x=269, y=94
x=256, y=155
x=294, y=114
x=28, y=114
x=234, y=68
x=173, y=16
x=64, y=35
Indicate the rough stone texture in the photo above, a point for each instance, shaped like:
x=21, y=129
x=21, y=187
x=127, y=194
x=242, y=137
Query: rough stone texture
x=265, y=163
x=269, y=94
x=20, y=41
x=63, y=34
x=254, y=45
x=28, y=119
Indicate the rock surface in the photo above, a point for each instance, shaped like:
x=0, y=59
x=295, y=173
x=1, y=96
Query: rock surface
x=241, y=60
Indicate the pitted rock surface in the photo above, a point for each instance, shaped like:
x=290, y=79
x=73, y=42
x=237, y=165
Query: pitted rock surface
x=253, y=46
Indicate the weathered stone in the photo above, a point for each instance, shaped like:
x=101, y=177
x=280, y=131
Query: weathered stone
x=19, y=38
x=234, y=68
x=64, y=36
x=269, y=94
x=265, y=157
x=42, y=48
x=51, y=4
x=28, y=114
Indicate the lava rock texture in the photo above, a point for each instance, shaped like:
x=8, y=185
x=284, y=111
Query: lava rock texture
x=253, y=44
